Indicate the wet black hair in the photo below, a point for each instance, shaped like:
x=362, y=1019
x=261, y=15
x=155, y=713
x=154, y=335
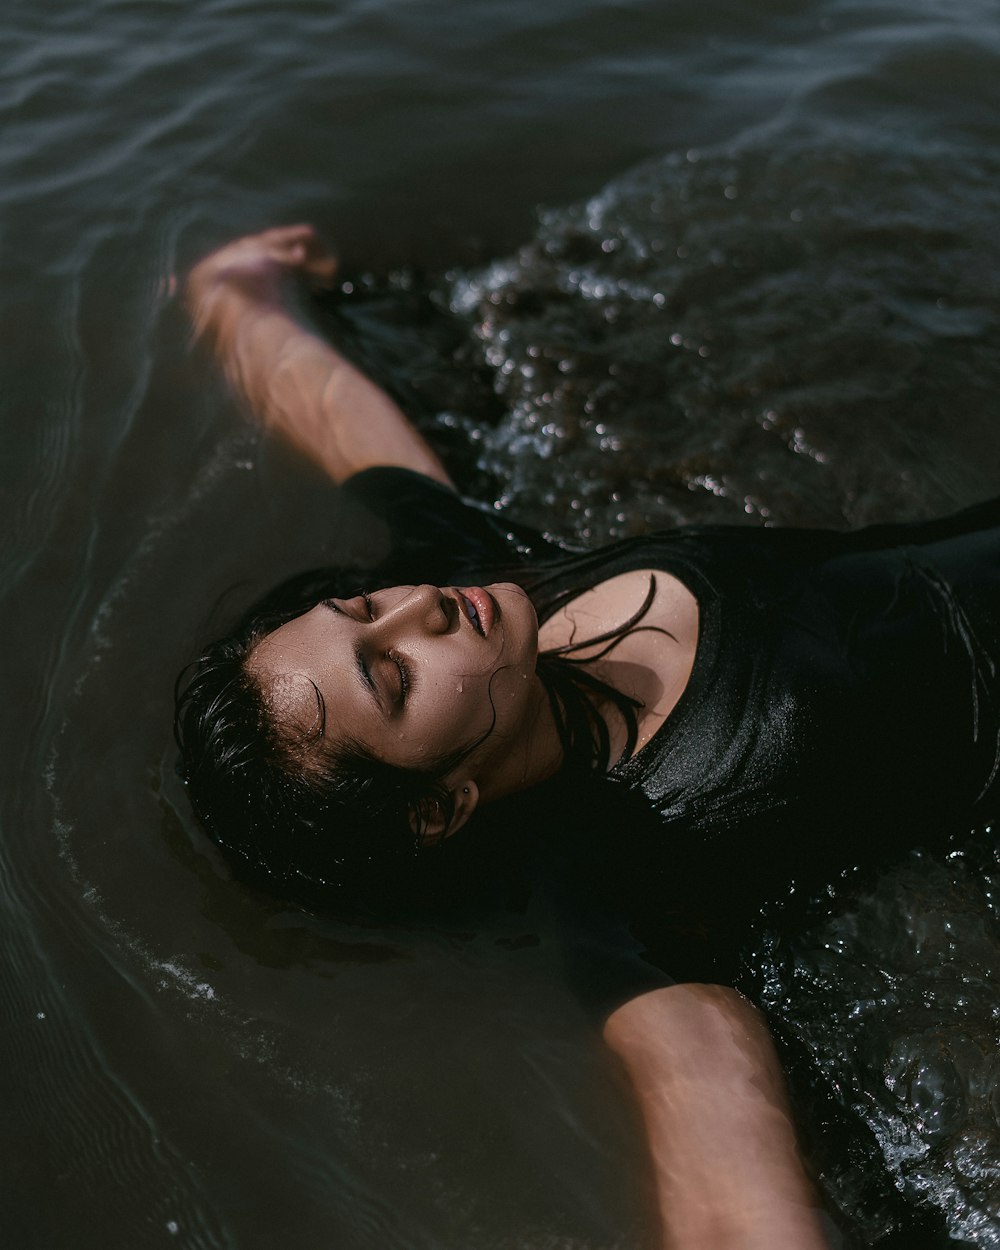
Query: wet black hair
x=316, y=816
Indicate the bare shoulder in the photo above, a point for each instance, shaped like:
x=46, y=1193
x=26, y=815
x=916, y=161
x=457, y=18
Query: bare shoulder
x=610, y=604
x=639, y=631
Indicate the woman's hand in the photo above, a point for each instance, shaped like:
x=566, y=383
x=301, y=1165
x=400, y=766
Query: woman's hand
x=242, y=301
x=258, y=269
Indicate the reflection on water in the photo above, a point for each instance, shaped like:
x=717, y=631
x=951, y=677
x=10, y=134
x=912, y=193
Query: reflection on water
x=767, y=294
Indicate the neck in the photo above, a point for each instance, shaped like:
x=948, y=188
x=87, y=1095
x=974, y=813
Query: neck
x=597, y=713
x=534, y=757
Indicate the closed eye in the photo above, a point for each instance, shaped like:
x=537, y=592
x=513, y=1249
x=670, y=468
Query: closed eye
x=362, y=667
x=363, y=595
x=405, y=676
x=402, y=668
x=367, y=677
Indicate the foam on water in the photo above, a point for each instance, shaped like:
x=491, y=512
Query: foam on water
x=684, y=337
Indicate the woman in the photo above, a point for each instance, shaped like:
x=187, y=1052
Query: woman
x=762, y=693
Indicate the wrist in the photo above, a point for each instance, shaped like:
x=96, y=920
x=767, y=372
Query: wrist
x=220, y=295
x=255, y=278
x=227, y=305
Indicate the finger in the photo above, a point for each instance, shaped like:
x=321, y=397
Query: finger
x=285, y=236
x=320, y=262
x=322, y=269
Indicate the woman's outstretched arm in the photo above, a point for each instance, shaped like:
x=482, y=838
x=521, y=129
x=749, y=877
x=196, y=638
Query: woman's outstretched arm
x=243, y=301
x=727, y=1168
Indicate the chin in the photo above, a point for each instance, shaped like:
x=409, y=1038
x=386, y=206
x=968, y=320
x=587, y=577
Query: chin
x=510, y=592
x=518, y=620
x=513, y=600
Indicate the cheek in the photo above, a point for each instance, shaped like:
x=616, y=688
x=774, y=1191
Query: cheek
x=508, y=698
x=520, y=652
x=468, y=706
x=454, y=709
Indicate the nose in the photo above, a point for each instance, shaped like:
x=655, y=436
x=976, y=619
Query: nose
x=424, y=608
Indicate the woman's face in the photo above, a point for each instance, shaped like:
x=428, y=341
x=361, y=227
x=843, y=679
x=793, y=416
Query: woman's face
x=412, y=673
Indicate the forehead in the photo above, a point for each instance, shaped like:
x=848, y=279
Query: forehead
x=293, y=642
x=290, y=669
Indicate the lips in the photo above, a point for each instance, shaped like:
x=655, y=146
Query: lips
x=480, y=607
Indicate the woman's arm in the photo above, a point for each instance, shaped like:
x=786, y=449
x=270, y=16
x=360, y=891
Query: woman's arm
x=242, y=299
x=710, y=1088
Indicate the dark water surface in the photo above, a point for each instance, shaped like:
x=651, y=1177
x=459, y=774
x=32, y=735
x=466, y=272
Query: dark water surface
x=765, y=288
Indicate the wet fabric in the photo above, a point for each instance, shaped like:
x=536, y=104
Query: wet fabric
x=845, y=689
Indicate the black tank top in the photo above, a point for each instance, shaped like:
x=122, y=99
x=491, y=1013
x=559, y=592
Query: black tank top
x=844, y=703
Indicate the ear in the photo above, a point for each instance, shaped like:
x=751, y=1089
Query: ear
x=464, y=798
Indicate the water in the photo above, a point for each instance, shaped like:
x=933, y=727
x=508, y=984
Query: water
x=632, y=264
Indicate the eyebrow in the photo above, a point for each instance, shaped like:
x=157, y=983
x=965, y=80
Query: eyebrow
x=320, y=708
x=360, y=663
x=367, y=680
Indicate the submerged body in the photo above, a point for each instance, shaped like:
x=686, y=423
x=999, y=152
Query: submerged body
x=764, y=694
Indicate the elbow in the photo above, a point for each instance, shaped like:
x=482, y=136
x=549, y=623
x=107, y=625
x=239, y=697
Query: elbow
x=706, y=1016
